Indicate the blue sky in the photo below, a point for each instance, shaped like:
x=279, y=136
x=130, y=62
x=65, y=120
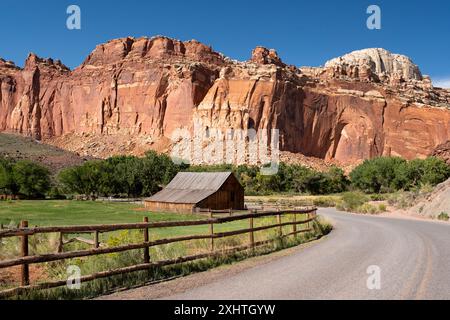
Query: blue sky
x=303, y=32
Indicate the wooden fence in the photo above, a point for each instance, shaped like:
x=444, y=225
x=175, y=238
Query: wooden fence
x=24, y=232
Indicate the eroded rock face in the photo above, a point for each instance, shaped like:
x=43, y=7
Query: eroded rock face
x=130, y=95
x=376, y=65
x=261, y=55
x=442, y=151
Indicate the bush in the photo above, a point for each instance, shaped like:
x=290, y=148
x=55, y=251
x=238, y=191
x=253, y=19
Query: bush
x=324, y=202
x=368, y=208
x=324, y=225
x=351, y=201
x=382, y=207
x=379, y=197
x=402, y=200
x=443, y=216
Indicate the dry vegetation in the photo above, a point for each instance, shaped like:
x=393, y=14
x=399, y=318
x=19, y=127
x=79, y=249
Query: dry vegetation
x=21, y=148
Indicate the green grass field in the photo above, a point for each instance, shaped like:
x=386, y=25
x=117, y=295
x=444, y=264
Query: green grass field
x=70, y=212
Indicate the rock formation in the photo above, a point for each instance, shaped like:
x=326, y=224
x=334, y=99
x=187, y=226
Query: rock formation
x=376, y=64
x=435, y=203
x=442, y=151
x=130, y=95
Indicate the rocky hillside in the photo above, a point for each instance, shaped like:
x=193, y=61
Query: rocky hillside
x=130, y=95
x=22, y=148
x=435, y=203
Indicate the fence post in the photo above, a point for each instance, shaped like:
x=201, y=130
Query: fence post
x=211, y=230
x=252, y=234
x=294, y=226
x=308, y=216
x=61, y=242
x=231, y=212
x=146, y=239
x=96, y=241
x=280, y=228
x=25, y=269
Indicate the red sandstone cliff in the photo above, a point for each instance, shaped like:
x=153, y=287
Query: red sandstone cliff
x=129, y=96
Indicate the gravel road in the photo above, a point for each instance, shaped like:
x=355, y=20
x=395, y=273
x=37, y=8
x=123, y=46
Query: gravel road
x=411, y=256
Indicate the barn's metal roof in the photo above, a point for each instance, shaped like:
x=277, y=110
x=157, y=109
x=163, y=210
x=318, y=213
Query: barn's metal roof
x=191, y=187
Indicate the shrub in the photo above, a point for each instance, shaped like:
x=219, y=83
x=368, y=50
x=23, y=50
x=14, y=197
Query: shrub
x=379, y=197
x=367, y=208
x=324, y=202
x=351, y=201
x=443, y=216
x=324, y=226
x=402, y=200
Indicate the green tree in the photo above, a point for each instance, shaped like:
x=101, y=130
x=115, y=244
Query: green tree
x=435, y=171
x=33, y=180
x=7, y=183
x=337, y=181
x=122, y=175
x=386, y=174
x=378, y=175
x=85, y=179
x=157, y=171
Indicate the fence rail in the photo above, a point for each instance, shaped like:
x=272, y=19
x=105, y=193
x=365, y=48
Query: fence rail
x=24, y=232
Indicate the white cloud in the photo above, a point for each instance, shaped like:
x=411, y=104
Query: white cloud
x=442, y=82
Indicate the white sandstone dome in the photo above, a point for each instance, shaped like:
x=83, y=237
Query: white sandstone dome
x=381, y=62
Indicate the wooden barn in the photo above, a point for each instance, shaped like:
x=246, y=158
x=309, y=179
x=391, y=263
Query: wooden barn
x=206, y=190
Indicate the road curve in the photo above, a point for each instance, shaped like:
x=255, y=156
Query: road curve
x=413, y=257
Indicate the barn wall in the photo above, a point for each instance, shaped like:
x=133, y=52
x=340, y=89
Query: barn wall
x=169, y=207
x=222, y=199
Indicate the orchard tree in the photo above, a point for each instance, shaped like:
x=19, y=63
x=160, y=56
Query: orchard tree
x=32, y=180
x=7, y=183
